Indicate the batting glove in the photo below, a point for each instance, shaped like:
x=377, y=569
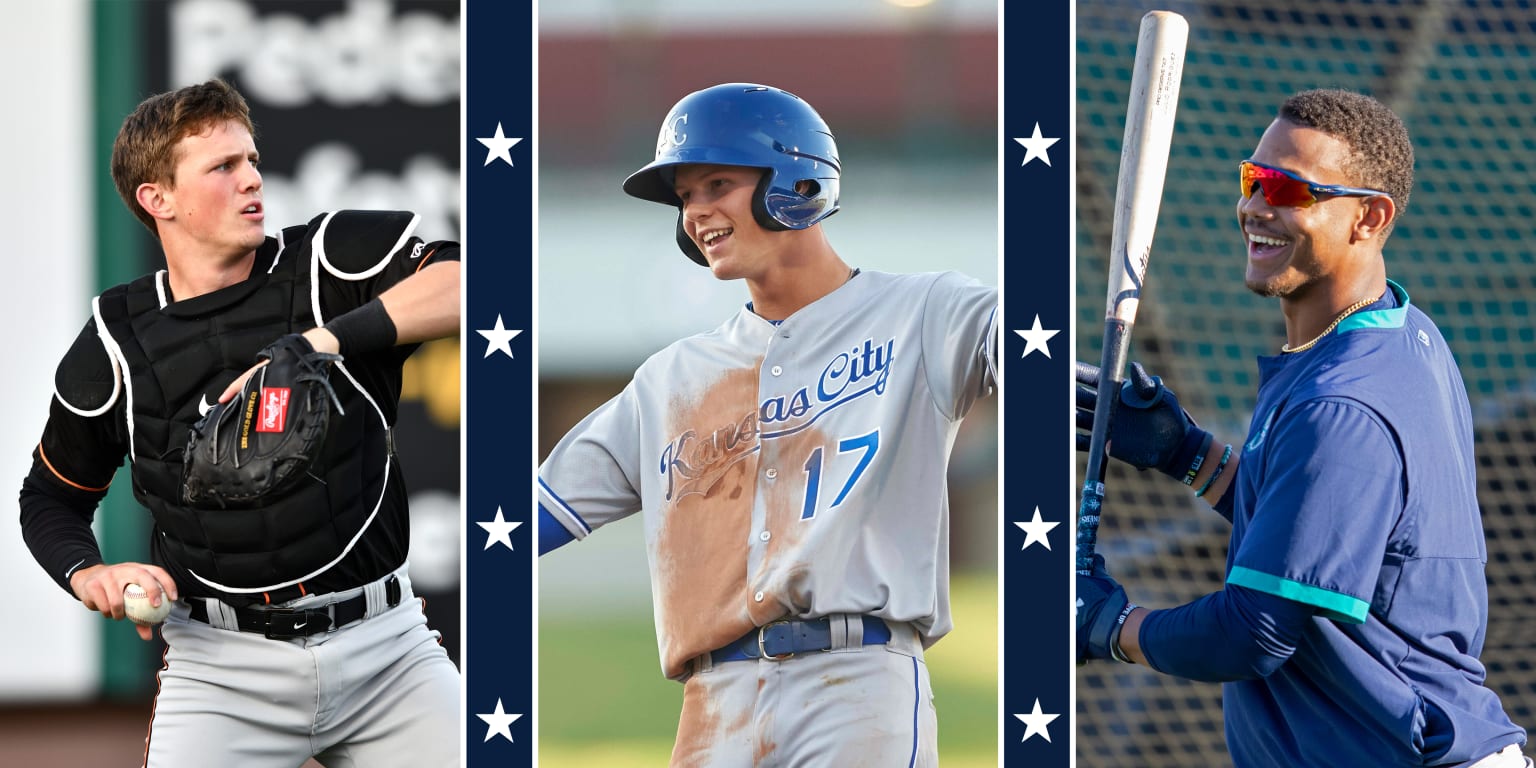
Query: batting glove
x=1101, y=611
x=1150, y=430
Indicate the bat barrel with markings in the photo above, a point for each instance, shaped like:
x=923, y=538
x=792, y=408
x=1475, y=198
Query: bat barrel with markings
x=1149, y=119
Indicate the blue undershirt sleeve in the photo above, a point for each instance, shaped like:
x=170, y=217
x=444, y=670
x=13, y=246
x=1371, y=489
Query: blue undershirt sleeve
x=1223, y=506
x=552, y=535
x=1235, y=634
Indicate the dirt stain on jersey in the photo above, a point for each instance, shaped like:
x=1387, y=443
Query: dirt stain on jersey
x=791, y=511
x=702, y=542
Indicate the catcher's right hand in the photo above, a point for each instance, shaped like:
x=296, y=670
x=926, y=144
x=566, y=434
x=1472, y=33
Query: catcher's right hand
x=260, y=443
x=1150, y=430
x=100, y=588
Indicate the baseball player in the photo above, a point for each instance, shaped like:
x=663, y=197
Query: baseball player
x=1355, y=604
x=293, y=632
x=790, y=463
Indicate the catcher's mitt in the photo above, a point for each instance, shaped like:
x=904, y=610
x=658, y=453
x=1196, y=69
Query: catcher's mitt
x=260, y=443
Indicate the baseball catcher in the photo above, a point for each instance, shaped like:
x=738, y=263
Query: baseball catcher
x=280, y=518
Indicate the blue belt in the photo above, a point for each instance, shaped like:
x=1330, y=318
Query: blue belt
x=780, y=640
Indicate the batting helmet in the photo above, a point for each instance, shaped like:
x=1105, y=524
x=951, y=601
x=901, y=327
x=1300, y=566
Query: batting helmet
x=755, y=126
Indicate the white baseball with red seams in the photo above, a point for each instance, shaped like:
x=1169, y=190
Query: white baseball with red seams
x=137, y=603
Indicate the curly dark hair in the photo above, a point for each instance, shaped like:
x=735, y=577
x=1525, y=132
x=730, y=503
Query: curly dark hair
x=1380, y=157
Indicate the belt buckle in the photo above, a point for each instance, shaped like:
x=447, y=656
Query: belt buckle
x=284, y=624
x=762, y=651
x=280, y=624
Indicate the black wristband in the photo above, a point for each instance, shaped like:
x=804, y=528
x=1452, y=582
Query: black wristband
x=1199, y=460
x=365, y=329
x=1114, y=639
x=1196, y=442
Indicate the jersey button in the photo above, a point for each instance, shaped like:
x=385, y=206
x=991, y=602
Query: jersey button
x=777, y=370
x=771, y=473
x=764, y=536
x=758, y=597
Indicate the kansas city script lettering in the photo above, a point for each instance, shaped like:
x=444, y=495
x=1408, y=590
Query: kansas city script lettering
x=693, y=463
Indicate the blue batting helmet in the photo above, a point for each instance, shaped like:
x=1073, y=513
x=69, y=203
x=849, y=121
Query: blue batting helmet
x=755, y=126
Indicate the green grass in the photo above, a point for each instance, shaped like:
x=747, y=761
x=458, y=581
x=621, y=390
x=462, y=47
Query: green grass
x=603, y=701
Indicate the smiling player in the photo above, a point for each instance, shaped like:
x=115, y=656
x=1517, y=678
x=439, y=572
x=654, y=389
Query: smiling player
x=790, y=464
x=1355, y=605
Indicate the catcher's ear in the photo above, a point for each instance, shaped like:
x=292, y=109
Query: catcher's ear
x=156, y=200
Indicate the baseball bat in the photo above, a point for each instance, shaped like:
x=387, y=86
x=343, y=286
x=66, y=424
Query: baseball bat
x=1138, y=195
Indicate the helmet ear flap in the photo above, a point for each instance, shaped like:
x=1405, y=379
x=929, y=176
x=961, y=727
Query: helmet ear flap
x=760, y=202
x=686, y=243
x=806, y=202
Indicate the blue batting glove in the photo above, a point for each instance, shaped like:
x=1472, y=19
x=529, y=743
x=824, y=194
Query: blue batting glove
x=1150, y=430
x=1101, y=610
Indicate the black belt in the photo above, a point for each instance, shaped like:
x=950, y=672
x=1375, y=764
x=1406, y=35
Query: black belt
x=780, y=640
x=285, y=623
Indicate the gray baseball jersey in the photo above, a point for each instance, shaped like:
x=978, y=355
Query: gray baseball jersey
x=793, y=469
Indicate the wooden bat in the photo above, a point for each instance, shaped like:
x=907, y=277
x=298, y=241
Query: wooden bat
x=1138, y=195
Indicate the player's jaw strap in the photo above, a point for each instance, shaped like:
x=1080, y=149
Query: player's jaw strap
x=780, y=640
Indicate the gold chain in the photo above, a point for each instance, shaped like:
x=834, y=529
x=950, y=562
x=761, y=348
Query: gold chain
x=1353, y=308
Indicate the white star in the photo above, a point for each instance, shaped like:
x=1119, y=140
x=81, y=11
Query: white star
x=499, y=147
x=499, y=723
x=1034, y=531
x=1034, y=147
x=1034, y=723
x=1034, y=339
x=499, y=339
x=499, y=531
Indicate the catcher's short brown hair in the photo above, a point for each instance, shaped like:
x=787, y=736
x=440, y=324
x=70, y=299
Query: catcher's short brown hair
x=145, y=149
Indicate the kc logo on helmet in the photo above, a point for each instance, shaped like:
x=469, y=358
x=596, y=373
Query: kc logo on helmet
x=274, y=409
x=672, y=133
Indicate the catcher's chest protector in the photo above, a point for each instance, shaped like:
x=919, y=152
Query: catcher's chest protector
x=177, y=359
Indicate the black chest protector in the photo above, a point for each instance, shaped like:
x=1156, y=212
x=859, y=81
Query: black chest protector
x=176, y=360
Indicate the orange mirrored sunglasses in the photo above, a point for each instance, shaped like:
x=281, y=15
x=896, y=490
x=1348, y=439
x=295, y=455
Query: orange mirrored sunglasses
x=1284, y=189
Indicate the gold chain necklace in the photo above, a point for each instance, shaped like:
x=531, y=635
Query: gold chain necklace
x=1353, y=308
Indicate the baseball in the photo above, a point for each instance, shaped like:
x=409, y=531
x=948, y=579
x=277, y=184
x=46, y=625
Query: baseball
x=137, y=604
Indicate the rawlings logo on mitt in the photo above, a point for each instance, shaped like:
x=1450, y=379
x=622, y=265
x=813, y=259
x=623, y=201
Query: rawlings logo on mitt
x=259, y=444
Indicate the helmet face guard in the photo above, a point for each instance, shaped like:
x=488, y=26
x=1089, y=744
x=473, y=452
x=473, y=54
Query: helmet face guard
x=754, y=126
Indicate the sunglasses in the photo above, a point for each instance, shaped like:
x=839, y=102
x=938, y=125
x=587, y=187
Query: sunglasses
x=1284, y=189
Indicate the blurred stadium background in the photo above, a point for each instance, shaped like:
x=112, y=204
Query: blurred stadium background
x=1463, y=77
x=910, y=89
x=356, y=104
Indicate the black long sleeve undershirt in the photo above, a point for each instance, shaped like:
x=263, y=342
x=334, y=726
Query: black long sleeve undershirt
x=56, y=526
